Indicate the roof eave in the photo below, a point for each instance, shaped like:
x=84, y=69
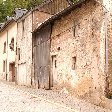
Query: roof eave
x=6, y=25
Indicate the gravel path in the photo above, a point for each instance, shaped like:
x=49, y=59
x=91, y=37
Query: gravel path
x=22, y=99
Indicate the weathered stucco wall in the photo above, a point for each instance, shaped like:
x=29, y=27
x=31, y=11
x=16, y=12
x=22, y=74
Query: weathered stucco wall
x=12, y=33
x=6, y=36
x=80, y=35
x=24, y=43
x=3, y=38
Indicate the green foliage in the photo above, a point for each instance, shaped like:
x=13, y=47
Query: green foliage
x=7, y=7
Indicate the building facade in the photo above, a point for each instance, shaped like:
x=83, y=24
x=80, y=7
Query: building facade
x=8, y=51
x=72, y=50
x=61, y=45
x=26, y=24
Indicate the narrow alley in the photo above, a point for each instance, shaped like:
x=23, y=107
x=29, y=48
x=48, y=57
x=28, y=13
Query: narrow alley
x=22, y=99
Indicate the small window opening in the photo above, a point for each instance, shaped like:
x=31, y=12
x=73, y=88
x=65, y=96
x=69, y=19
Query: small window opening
x=4, y=47
x=23, y=24
x=4, y=65
x=16, y=48
x=74, y=31
x=73, y=63
x=58, y=48
x=11, y=45
x=55, y=63
x=19, y=54
x=74, y=28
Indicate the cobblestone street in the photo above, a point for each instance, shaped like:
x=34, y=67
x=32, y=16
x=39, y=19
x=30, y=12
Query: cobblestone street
x=21, y=99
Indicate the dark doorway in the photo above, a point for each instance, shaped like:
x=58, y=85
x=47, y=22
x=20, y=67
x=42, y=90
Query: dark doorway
x=41, y=55
x=12, y=71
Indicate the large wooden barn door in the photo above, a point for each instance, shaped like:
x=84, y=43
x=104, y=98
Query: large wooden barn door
x=41, y=50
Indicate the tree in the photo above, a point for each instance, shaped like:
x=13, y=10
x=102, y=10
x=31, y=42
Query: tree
x=7, y=7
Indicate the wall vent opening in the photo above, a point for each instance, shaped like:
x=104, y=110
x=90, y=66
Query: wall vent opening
x=74, y=63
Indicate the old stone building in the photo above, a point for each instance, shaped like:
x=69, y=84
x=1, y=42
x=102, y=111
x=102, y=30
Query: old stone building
x=61, y=45
x=26, y=24
x=72, y=50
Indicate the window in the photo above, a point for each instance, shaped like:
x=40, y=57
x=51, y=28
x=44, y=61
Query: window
x=16, y=48
x=23, y=24
x=73, y=63
x=74, y=29
x=4, y=47
x=55, y=63
x=11, y=45
x=4, y=65
x=19, y=54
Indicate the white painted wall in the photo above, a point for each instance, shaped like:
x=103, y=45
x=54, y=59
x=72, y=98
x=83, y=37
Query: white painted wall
x=6, y=35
